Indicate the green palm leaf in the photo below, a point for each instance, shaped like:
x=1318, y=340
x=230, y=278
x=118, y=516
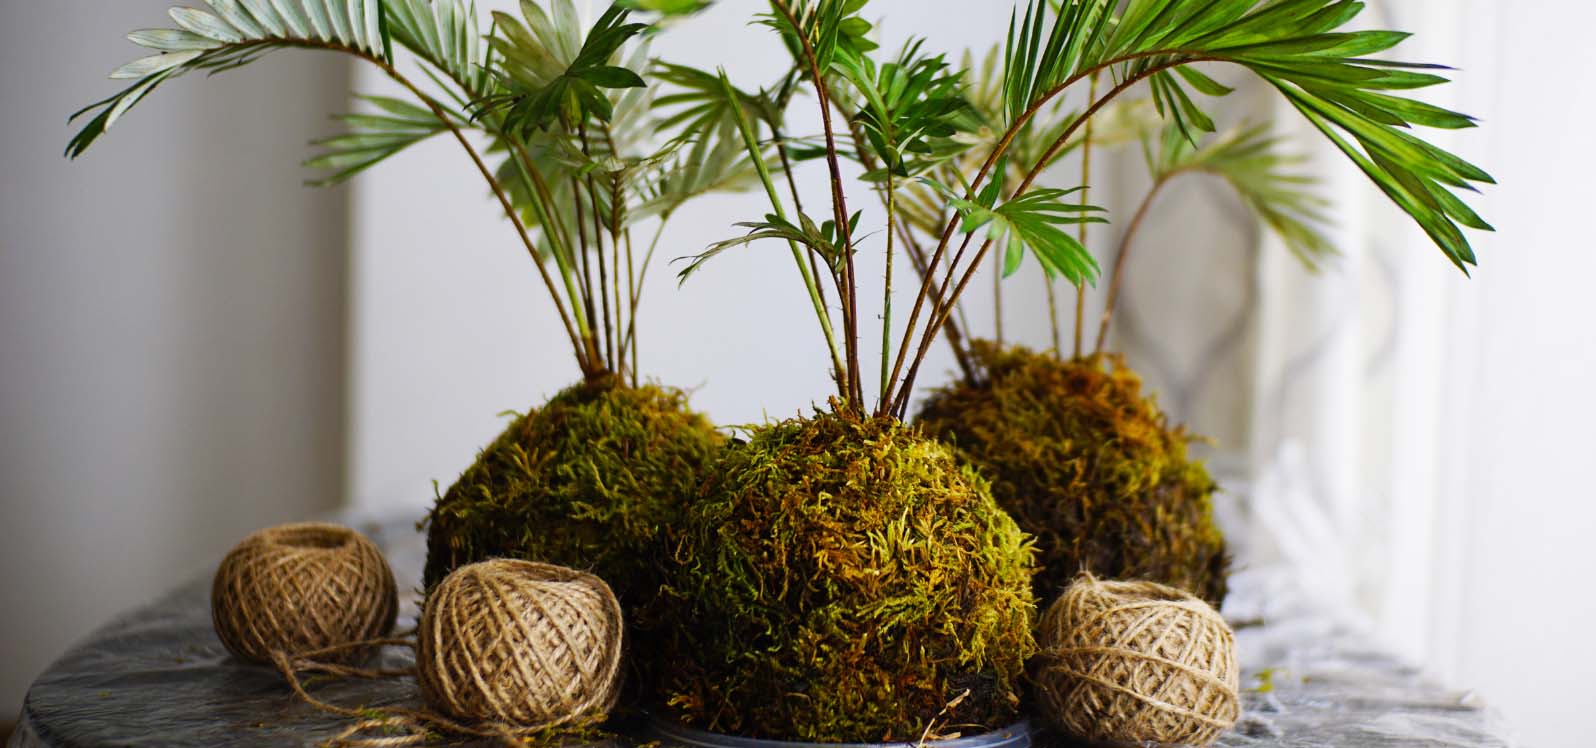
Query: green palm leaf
x=1298, y=47
x=1250, y=161
x=373, y=138
x=1030, y=221
x=548, y=73
x=228, y=34
x=446, y=35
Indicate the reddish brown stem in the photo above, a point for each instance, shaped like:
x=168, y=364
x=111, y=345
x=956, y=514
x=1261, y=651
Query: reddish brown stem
x=912, y=247
x=940, y=316
x=839, y=203
x=583, y=359
x=1118, y=273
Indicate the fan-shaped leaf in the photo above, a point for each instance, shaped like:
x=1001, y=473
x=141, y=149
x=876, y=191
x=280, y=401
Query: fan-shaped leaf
x=233, y=33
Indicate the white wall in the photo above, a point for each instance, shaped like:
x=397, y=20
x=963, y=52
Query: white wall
x=1517, y=539
x=171, y=323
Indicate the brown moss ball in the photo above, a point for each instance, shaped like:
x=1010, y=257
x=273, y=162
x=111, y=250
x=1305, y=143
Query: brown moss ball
x=587, y=481
x=846, y=580
x=1089, y=465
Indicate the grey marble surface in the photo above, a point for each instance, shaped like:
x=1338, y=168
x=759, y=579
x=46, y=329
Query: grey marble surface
x=158, y=677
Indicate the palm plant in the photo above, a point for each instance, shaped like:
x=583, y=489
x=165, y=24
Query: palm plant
x=557, y=118
x=565, y=115
x=954, y=164
x=1299, y=47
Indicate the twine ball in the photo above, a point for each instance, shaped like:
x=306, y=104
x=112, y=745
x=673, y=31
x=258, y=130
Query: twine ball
x=302, y=587
x=522, y=643
x=1136, y=662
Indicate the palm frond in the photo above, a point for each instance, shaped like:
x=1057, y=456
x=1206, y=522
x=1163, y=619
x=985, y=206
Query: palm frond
x=229, y=34
x=828, y=26
x=713, y=162
x=546, y=75
x=1251, y=162
x=445, y=34
x=908, y=108
x=1030, y=222
x=666, y=8
x=697, y=103
x=373, y=138
x=1298, y=47
x=821, y=237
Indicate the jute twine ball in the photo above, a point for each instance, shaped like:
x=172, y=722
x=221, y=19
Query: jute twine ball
x=522, y=643
x=1136, y=662
x=302, y=587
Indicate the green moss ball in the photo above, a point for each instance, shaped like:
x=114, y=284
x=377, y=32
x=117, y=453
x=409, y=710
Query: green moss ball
x=1089, y=465
x=587, y=481
x=845, y=579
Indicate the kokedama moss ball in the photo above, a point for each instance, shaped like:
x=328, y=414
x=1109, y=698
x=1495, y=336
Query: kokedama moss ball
x=586, y=481
x=844, y=580
x=1089, y=465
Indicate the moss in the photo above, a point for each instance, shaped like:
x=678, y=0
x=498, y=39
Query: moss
x=846, y=580
x=588, y=481
x=1088, y=465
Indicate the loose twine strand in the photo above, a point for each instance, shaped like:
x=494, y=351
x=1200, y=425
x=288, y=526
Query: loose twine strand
x=1137, y=661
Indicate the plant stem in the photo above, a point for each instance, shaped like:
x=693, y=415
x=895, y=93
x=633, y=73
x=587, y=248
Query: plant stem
x=598, y=251
x=1002, y=147
x=1125, y=243
x=617, y=200
x=798, y=204
x=1052, y=313
x=915, y=251
x=631, y=313
x=582, y=358
x=615, y=257
x=586, y=264
x=997, y=304
x=637, y=286
x=1086, y=190
x=854, y=391
x=751, y=142
x=549, y=218
x=886, y=296
x=939, y=316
